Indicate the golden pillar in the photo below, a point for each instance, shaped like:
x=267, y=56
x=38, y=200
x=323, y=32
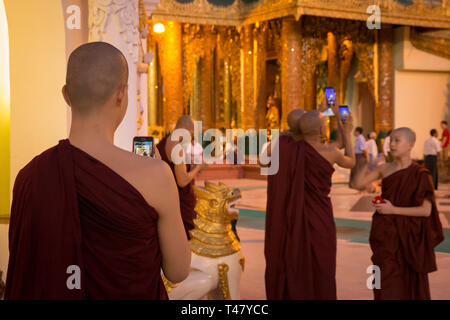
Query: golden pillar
x=346, y=56
x=206, y=86
x=311, y=57
x=172, y=66
x=333, y=64
x=333, y=72
x=383, y=108
x=260, y=34
x=248, y=109
x=291, y=73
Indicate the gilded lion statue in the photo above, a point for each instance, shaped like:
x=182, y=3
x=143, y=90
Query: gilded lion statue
x=216, y=263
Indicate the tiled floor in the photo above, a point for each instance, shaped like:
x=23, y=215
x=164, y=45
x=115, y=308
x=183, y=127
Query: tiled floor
x=353, y=217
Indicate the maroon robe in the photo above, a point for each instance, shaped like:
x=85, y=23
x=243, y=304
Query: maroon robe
x=403, y=247
x=188, y=199
x=300, y=239
x=70, y=209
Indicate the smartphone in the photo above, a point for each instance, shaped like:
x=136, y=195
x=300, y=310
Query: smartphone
x=343, y=110
x=144, y=146
x=331, y=95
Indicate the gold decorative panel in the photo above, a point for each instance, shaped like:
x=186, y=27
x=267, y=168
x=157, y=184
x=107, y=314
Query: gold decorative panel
x=239, y=13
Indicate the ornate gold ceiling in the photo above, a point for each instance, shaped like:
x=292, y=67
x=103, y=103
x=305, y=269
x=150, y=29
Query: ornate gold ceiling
x=422, y=13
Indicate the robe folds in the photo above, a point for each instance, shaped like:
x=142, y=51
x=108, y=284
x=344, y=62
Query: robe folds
x=70, y=211
x=402, y=246
x=188, y=200
x=300, y=238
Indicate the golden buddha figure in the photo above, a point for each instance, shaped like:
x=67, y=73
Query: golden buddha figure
x=272, y=115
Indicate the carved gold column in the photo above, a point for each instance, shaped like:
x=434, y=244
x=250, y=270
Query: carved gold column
x=291, y=73
x=171, y=58
x=310, y=59
x=206, y=66
x=261, y=34
x=383, y=109
x=333, y=64
x=333, y=72
x=248, y=114
x=346, y=56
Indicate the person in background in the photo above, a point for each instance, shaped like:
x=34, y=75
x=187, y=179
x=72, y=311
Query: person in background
x=386, y=147
x=184, y=173
x=431, y=153
x=361, y=154
x=372, y=148
x=445, y=140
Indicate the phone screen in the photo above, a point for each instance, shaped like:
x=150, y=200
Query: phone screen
x=143, y=146
x=330, y=94
x=328, y=113
x=343, y=110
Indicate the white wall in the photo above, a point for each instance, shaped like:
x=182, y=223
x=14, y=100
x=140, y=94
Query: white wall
x=421, y=89
x=420, y=103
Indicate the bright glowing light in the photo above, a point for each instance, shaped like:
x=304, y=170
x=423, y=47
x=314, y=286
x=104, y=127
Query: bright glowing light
x=158, y=28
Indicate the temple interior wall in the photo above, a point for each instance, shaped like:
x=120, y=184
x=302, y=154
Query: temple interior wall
x=421, y=89
x=38, y=111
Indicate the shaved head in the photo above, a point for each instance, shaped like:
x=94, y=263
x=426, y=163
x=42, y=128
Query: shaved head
x=311, y=123
x=185, y=122
x=408, y=133
x=95, y=71
x=293, y=120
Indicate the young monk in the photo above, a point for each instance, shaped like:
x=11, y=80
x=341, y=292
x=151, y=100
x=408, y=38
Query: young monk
x=184, y=173
x=406, y=227
x=87, y=209
x=300, y=238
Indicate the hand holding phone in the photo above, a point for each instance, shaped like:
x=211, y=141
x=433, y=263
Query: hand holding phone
x=143, y=146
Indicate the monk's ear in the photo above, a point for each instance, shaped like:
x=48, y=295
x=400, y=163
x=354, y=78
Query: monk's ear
x=122, y=94
x=66, y=96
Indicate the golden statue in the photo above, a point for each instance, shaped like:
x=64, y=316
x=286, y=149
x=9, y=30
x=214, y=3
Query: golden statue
x=217, y=262
x=272, y=115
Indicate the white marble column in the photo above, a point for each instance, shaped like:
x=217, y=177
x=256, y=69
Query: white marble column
x=116, y=22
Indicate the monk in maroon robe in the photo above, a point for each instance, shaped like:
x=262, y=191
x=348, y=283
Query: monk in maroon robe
x=86, y=223
x=300, y=240
x=184, y=173
x=406, y=227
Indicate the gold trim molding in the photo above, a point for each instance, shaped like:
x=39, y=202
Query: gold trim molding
x=239, y=13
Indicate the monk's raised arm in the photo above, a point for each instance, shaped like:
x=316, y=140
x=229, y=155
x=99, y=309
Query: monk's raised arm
x=176, y=255
x=343, y=160
x=363, y=177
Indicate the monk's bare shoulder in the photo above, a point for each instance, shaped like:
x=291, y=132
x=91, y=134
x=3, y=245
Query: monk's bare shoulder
x=152, y=177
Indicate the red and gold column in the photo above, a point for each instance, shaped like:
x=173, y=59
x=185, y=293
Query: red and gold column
x=206, y=71
x=383, y=107
x=333, y=72
x=248, y=109
x=172, y=66
x=291, y=73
